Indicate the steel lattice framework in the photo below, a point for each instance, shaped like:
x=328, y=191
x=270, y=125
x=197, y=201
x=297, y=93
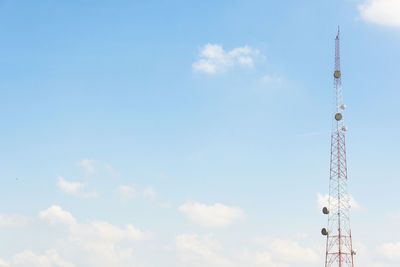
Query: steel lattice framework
x=339, y=250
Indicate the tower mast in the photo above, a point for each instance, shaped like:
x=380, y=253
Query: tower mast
x=339, y=248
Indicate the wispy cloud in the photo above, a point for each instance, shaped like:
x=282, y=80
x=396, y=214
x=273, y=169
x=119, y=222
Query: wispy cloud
x=125, y=192
x=196, y=248
x=56, y=215
x=88, y=165
x=98, y=243
x=50, y=258
x=69, y=187
x=12, y=220
x=109, y=168
x=74, y=188
x=95, y=243
x=323, y=201
x=4, y=263
x=217, y=215
x=93, y=230
x=214, y=59
x=149, y=193
x=383, y=12
x=271, y=79
x=390, y=251
x=284, y=251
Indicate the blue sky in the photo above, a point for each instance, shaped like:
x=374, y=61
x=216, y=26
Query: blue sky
x=178, y=133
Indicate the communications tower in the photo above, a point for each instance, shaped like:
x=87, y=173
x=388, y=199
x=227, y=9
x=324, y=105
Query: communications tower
x=339, y=248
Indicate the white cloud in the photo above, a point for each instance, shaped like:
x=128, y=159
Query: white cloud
x=125, y=192
x=206, y=251
x=205, y=66
x=12, y=220
x=97, y=243
x=290, y=251
x=217, y=215
x=109, y=168
x=74, y=188
x=366, y=256
x=390, y=251
x=214, y=59
x=275, y=252
x=394, y=215
x=88, y=165
x=271, y=79
x=104, y=231
x=260, y=258
x=281, y=253
x=69, y=187
x=96, y=230
x=149, y=192
x=385, y=255
x=323, y=201
x=49, y=259
x=4, y=263
x=199, y=248
x=105, y=254
x=55, y=215
x=165, y=205
x=383, y=12
x=90, y=243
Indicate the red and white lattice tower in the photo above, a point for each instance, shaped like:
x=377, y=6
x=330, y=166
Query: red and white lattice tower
x=339, y=248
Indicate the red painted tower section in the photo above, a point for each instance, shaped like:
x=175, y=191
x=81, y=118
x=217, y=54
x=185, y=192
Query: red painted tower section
x=339, y=248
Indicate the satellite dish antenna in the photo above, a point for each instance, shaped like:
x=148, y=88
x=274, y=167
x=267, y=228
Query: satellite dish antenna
x=325, y=210
x=338, y=116
x=324, y=231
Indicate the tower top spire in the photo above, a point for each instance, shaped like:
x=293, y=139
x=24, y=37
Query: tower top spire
x=338, y=33
x=337, y=51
